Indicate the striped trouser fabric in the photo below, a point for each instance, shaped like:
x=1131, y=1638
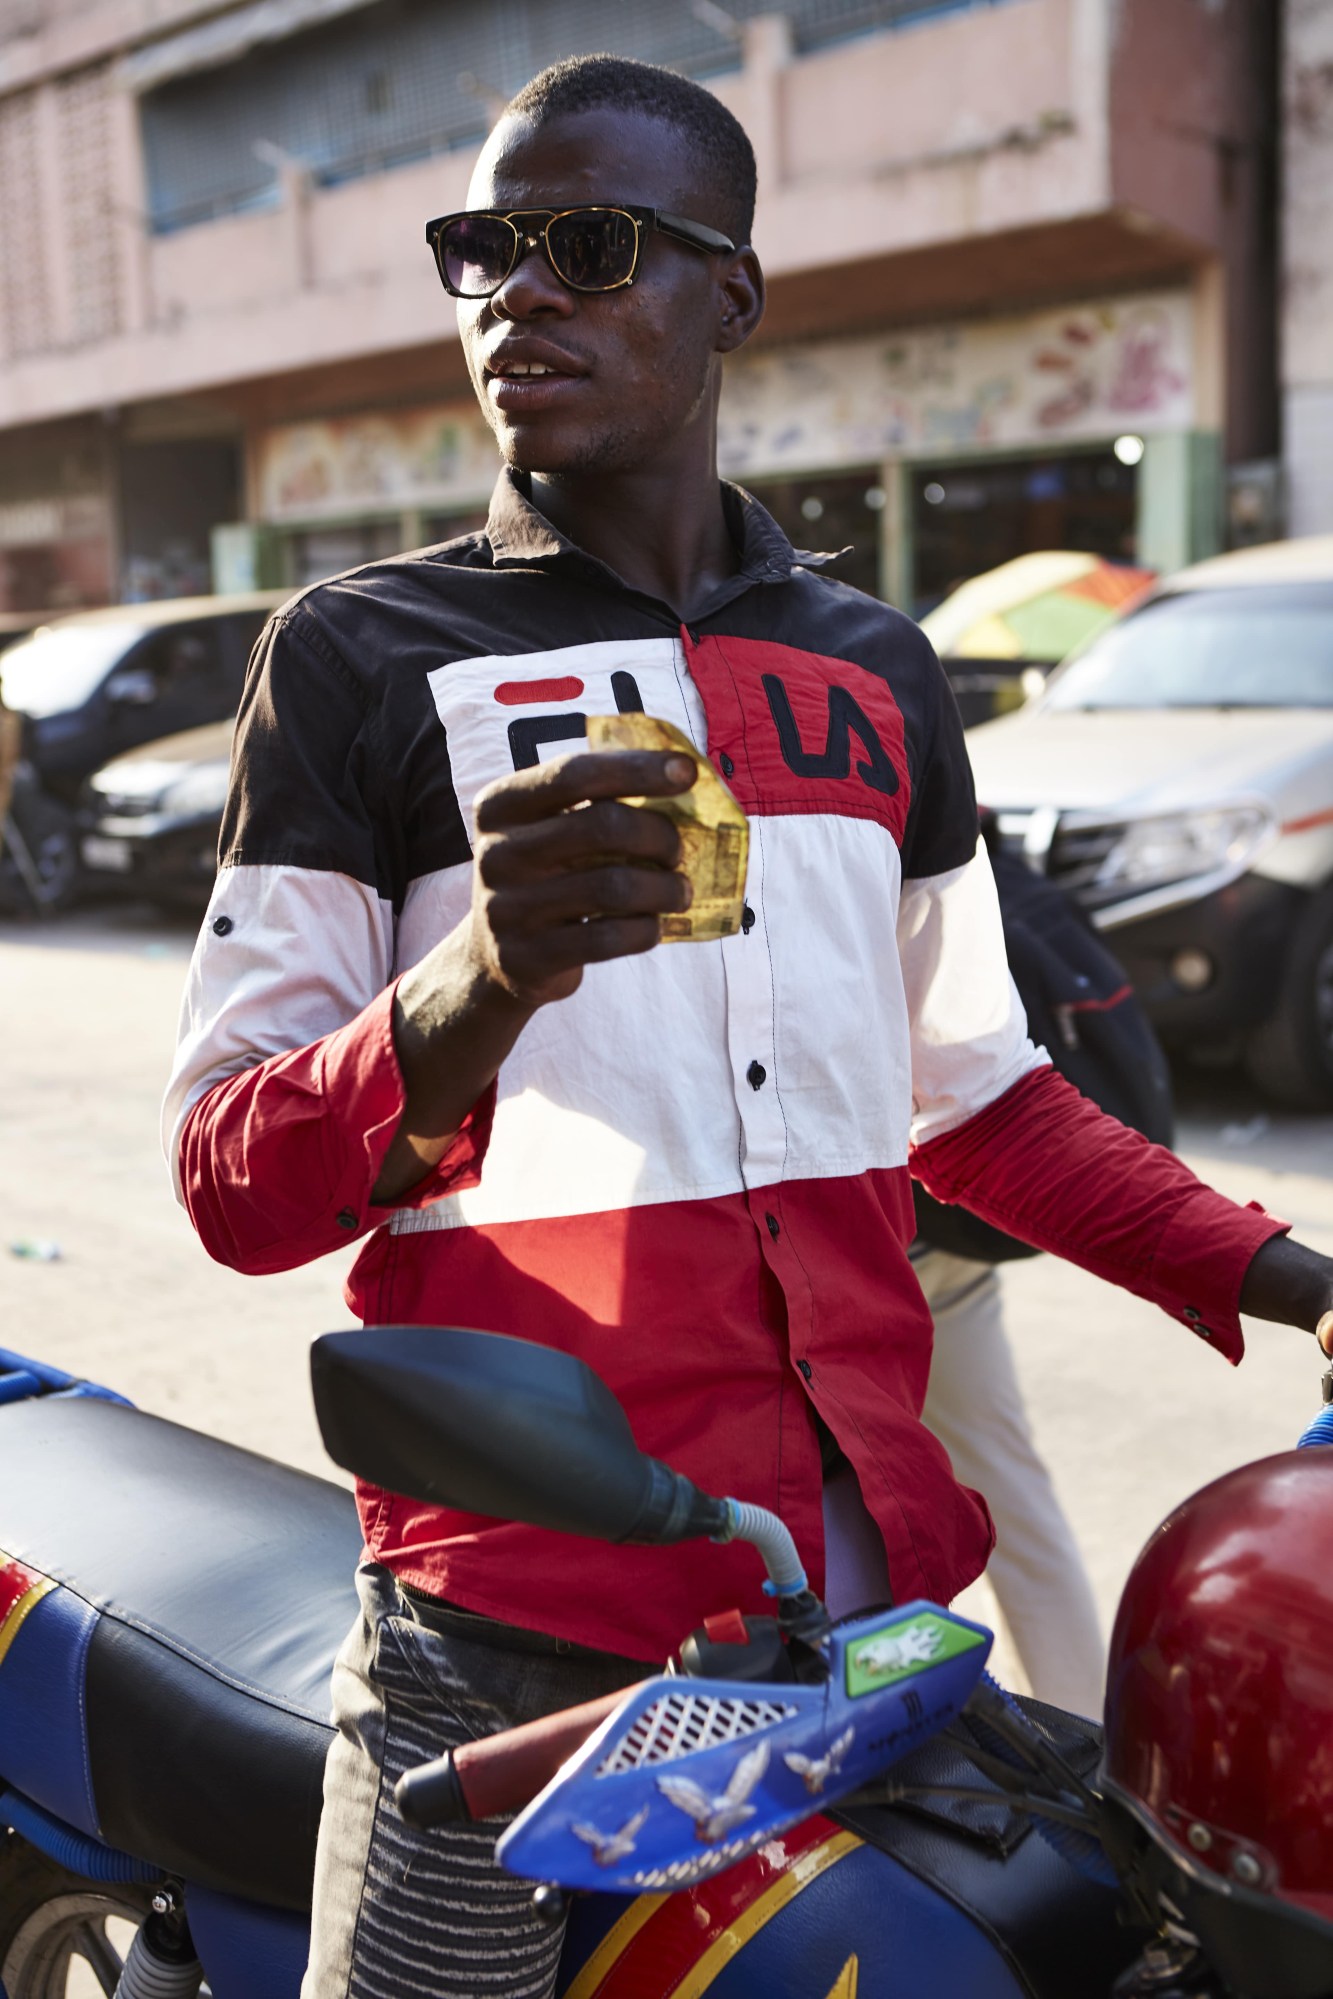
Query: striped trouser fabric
x=402, y=1914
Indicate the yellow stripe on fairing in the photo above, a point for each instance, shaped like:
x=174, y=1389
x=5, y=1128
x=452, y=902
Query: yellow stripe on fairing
x=9, y=1628
x=774, y=1899
x=617, y=1939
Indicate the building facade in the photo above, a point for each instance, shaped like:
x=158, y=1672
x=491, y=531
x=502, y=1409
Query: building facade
x=1019, y=254
x=1307, y=289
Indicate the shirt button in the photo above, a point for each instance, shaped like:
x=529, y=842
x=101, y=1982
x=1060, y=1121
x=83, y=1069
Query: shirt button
x=747, y=918
x=222, y=925
x=346, y=1219
x=726, y=765
x=773, y=1226
x=756, y=1075
x=805, y=1368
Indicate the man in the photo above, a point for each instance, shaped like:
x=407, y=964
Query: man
x=427, y=1003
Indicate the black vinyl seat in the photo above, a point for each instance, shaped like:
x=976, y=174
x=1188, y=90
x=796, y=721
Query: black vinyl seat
x=224, y=1584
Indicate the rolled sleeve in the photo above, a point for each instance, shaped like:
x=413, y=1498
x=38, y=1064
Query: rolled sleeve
x=277, y=1163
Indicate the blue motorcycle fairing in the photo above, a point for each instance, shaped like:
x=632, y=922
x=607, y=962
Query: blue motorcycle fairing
x=688, y=1776
x=250, y=1952
x=43, y=1682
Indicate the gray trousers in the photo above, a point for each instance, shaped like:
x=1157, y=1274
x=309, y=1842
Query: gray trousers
x=400, y=1913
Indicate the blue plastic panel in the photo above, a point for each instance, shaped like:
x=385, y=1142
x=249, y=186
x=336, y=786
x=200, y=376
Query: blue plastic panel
x=43, y=1743
x=247, y=1951
x=907, y=1940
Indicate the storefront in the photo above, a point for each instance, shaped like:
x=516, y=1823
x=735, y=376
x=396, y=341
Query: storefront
x=931, y=453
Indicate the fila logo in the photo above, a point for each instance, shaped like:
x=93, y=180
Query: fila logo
x=528, y=732
x=846, y=718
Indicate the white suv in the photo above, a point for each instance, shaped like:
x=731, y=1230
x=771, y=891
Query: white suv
x=1176, y=776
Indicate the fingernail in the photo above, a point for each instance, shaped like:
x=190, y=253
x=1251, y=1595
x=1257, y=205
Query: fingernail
x=680, y=770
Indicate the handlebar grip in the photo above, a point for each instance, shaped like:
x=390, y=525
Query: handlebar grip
x=500, y=1773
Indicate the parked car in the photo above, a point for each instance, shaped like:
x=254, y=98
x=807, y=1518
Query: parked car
x=98, y=683
x=1176, y=775
x=148, y=821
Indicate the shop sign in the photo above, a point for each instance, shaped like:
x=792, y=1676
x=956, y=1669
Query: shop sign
x=376, y=464
x=44, y=523
x=1051, y=378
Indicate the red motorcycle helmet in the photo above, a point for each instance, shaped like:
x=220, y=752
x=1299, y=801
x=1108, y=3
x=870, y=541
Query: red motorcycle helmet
x=1219, y=1721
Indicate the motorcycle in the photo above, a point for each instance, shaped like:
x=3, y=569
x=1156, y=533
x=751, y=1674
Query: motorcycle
x=832, y=1810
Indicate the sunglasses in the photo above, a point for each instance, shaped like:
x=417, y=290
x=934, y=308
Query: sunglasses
x=594, y=249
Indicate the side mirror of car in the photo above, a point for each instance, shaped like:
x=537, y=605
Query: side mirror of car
x=499, y=1426
x=132, y=687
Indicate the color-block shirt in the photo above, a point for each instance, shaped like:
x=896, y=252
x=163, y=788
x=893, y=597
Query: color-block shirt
x=694, y=1172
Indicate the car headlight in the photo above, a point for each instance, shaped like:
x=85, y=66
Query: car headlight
x=202, y=789
x=1182, y=846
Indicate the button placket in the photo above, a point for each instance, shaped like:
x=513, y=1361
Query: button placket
x=757, y=1084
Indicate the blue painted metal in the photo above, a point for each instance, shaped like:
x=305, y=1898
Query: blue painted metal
x=43, y=1744
x=18, y=1384
x=619, y=1819
x=22, y=1378
x=48, y=1377
x=249, y=1952
x=72, y=1849
x=907, y=1939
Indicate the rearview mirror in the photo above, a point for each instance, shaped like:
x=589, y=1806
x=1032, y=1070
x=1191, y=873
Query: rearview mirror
x=494, y=1425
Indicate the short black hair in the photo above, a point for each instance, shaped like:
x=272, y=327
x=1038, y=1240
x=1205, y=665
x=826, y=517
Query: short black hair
x=619, y=83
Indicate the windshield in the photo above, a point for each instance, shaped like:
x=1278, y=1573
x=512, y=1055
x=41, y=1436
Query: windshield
x=58, y=667
x=1267, y=646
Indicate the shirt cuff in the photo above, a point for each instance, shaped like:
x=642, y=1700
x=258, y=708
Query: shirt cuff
x=361, y=1075
x=1200, y=1262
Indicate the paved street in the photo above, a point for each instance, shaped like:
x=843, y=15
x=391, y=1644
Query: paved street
x=1131, y=1412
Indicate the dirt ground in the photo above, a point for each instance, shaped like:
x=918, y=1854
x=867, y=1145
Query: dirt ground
x=1130, y=1411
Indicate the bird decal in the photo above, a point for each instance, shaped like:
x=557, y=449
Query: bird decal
x=916, y=1645
x=715, y=1816
x=816, y=1770
x=609, y=1847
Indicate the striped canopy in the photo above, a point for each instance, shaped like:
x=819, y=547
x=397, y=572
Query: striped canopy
x=1037, y=607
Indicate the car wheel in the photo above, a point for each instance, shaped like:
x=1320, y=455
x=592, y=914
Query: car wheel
x=1290, y=1056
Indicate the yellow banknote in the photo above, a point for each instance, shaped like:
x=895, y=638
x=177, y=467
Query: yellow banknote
x=714, y=832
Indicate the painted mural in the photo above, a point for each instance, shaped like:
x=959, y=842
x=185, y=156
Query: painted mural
x=1085, y=372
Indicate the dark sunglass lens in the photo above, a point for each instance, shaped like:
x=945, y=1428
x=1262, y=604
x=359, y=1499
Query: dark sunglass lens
x=593, y=248
x=476, y=252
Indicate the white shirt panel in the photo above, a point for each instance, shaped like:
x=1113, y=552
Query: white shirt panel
x=302, y=952
x=969, y=1033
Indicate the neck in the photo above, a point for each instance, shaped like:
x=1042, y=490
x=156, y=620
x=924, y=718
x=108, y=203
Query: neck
x=660, y=527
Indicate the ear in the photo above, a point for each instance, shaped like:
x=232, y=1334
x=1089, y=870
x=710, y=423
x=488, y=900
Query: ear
x=741, y=301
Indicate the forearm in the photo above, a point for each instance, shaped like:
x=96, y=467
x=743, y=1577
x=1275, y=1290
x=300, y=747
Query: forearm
x=453, y=1026
x=280, y=1163
x=1292, y=1285
x=1048, y=1166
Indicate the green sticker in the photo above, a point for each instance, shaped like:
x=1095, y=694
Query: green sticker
x=897, y=1651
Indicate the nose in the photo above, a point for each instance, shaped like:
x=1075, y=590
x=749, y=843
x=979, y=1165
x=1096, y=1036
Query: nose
x=532, y=288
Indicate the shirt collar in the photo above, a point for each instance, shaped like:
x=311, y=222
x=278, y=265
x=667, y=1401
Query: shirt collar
x=521, y=536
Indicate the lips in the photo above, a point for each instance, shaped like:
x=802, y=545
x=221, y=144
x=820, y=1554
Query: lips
x=530, y=376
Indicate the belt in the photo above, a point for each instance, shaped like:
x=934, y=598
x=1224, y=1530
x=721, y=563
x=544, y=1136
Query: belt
x=452, y=1621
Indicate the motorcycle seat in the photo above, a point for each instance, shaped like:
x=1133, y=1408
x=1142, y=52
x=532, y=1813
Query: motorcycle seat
x=219, y=1587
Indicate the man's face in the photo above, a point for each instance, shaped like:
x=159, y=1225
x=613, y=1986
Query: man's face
x=631, y=367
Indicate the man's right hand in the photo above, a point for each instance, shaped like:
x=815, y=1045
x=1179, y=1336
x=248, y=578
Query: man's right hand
x=564, y=875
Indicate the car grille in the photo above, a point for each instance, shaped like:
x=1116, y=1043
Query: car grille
x=130, y=805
